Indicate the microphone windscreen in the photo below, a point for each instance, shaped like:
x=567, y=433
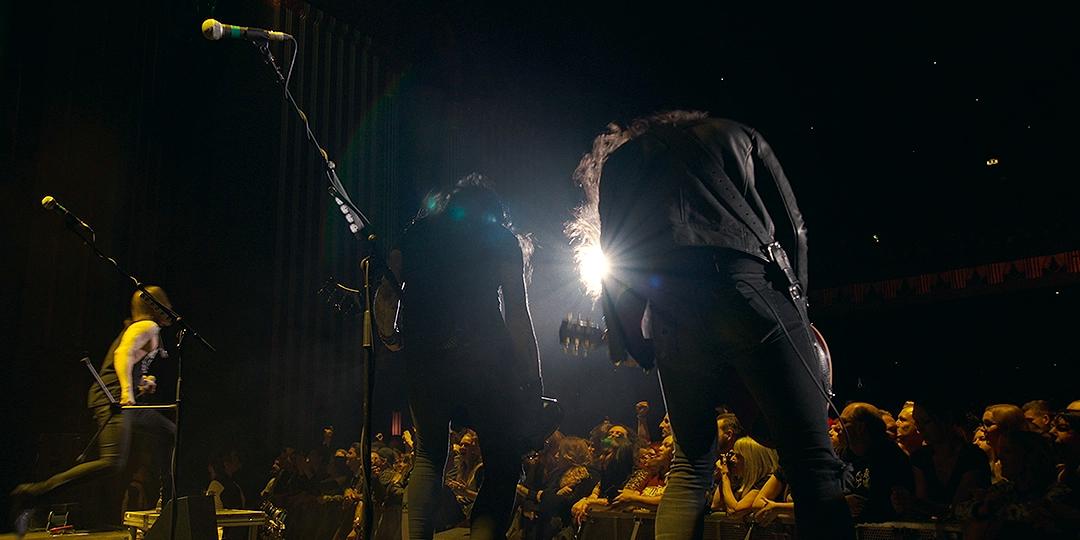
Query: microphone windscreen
x=212, y=30
x=48, y=202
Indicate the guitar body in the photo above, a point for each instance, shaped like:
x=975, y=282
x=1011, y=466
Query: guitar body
x=824, y=359
x=386, y=310
x=388, y=316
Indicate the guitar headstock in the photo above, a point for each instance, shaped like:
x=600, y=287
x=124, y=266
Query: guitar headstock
x=579, y=336
x=353, y=216
x=344, y=299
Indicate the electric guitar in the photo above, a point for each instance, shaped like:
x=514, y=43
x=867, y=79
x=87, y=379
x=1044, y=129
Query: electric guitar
x=387, y=311
x=579, y=336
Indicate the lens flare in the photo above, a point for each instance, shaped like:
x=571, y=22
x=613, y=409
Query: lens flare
x=594, y=266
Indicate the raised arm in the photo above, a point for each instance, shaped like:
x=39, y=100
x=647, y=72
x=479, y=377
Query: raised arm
x=642, y=410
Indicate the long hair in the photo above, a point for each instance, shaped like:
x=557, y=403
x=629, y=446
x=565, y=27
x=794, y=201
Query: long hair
x=583, y=229
x=473, y=199
x=757, y=462
x=1009, y=417
x=574, y=453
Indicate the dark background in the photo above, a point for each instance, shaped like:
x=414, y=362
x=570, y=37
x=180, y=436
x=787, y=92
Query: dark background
x=182, y=156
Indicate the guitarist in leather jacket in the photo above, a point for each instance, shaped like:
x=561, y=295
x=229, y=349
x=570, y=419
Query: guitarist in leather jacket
x=696, y=218
x=471, y=353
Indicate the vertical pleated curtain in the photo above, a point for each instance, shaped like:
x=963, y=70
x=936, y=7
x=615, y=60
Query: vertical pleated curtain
x=343, y=86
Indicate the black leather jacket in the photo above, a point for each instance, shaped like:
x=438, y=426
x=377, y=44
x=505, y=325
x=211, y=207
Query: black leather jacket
x=652, y=202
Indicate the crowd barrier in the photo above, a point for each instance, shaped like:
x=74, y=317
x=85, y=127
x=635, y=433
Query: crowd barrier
x=640, y=525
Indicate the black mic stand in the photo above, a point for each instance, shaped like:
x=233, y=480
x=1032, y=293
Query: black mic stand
x=185, y=328
x=357, y=223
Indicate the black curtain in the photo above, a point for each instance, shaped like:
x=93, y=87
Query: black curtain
x=195, y=175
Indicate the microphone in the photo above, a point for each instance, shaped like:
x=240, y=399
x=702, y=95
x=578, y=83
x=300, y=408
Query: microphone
x=213, y=30
x=49, y=203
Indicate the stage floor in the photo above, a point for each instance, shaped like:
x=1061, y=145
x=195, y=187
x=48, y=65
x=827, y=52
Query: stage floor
x=108, y=535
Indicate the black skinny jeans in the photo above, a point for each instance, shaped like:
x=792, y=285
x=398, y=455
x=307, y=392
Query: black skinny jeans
x=729, y=333
x=476, y=383
x=114, y=448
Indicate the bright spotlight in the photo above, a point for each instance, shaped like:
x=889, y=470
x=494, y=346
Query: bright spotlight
x=593, y=265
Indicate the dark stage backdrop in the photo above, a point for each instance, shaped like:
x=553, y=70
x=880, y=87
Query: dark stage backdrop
x=182, y=155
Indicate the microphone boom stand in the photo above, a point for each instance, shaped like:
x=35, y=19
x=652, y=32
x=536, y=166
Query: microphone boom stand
x=185, y=328
x=357, y=223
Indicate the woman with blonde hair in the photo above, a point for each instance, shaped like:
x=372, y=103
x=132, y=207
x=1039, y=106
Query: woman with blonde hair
x=998, y=422
x=752, y=464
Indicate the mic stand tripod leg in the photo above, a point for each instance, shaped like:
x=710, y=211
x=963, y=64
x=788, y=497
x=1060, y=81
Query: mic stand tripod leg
x=176, y=438
x=101, y=428
x=369, y=388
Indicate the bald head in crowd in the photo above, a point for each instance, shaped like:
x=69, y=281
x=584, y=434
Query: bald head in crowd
x=863, y=427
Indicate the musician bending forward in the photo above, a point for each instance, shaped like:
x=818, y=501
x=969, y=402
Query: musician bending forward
x=686, y=208
x=471, y=354
x=123, y=373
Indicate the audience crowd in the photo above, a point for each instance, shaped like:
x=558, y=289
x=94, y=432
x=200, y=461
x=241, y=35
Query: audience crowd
x=1010, y=472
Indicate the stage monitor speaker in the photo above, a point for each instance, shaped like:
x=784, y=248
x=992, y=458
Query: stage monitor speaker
x=196, y=519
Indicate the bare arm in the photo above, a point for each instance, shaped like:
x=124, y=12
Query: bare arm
x=634, y=498
x=771, y=491
x=746, y=503
x=642, y=409
x=717, y=502
x=730, y=503
x=139, y=338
